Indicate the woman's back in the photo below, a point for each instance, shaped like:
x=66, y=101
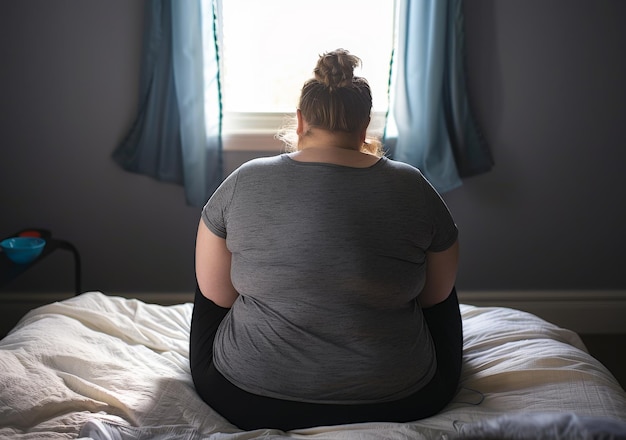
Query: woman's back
x=311, y=264
x=328, y=261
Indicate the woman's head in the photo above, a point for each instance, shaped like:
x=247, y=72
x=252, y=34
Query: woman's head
x=335, y=99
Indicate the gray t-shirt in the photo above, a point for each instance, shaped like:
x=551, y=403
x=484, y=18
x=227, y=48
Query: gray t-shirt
x=328, y=261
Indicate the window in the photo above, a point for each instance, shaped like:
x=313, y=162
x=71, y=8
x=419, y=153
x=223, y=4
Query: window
x=270, y=48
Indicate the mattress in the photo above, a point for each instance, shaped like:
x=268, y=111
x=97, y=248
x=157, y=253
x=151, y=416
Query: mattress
x=103, y=367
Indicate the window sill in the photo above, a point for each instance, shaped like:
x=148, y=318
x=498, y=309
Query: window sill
x=257, y=131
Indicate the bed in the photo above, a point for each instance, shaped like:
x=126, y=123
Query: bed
x=105, y=367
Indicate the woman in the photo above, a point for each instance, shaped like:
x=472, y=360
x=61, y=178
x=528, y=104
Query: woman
x=326, y=277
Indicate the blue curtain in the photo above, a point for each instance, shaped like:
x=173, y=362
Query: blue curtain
x=176, y=137
x=430, y=124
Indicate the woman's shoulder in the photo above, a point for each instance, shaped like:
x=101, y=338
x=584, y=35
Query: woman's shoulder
x=271, y=164
x=256, y=166
x=401, y=166
x=403, y=169
x=261, y=163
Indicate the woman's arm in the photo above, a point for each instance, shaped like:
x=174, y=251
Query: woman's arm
x=213, y=267
x=441, y=268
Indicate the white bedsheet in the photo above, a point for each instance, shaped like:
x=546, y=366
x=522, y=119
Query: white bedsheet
x=121, y=362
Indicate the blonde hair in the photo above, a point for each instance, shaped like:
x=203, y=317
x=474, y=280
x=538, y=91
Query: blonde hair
x=335, y=100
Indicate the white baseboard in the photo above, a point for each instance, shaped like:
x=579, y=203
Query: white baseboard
x=164, y=298
x=584, y=311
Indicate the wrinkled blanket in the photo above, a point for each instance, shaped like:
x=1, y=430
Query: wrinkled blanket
x=119, y=367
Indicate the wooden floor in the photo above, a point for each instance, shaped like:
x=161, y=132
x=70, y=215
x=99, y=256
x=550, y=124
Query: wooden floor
x=611, y=351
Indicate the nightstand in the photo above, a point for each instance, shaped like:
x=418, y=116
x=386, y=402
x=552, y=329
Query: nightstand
x=10, y=270
x=14, y=305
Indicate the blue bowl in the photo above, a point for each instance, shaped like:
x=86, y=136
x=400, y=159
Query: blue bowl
x=22, y=250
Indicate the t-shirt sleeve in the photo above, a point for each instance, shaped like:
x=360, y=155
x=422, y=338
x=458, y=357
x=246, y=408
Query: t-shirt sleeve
x=445, y=231
x=215, y=212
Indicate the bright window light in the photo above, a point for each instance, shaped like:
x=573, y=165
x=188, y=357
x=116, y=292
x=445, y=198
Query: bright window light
x=269, y=49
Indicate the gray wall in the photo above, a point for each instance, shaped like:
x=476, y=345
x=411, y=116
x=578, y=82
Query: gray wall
x=547, y=82
x=547, y=79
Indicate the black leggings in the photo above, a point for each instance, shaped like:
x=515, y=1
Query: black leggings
x=250, y=411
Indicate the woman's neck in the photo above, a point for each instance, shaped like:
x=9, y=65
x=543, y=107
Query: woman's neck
x=318, y=138
x=336, y=148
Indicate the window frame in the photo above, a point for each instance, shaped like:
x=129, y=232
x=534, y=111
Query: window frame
x=257, y=131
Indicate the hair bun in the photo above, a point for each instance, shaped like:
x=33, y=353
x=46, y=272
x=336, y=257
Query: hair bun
x=336, y=69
